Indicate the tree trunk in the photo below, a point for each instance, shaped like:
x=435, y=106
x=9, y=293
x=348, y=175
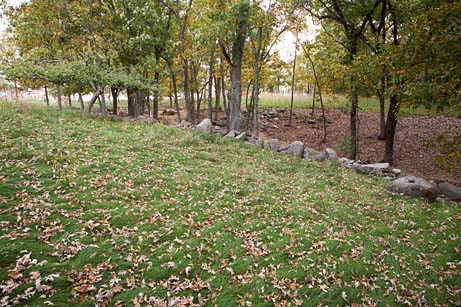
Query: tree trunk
x=47, y=98
x=80, y=99
x=293, y=73
x=256, y=86
x=210, y=88
x=58, y=94
x=175, y=93
x=156, y=85
x=93, y=100
x=133, y=103
x=313, y=102
x=170, y=96
x=187, y=98
x=139, y=97
x=224, y=96
x=235, y=98
x=70, y=100
x=114, y=92
x=217, y=97
x=317, y=84
x=353, y=120
x=391, y=125
x=103, y=103
x=382, y=111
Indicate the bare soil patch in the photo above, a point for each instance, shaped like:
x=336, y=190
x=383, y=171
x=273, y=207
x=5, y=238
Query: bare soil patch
x=410, y=154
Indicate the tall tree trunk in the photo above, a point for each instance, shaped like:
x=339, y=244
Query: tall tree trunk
x=189, y=103
x=391, y=125
x=217, y=97
x=103, y=103
x=156, y=84
x=175, y=93
x=224, y=96
x=114, y=92
x=93, y=99
x=235, y=98
x=353, y=120
x=139, y=97
x=47, y=98
x=293, y=74
x=256, y=86
x=170, y=96
x=148, y=107
x=58, y=94
x=210, y=88
x=382, y=111
x=313, y=102
x=80, y=99
x=317, y=83
x=133, y=108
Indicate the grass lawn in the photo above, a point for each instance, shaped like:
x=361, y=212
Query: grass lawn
x=106, y=213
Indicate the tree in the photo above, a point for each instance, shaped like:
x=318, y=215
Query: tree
x=353, y=19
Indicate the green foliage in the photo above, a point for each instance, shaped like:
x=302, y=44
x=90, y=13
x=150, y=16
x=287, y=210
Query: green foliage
x=447, y=147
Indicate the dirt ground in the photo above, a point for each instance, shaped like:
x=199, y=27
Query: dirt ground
x=410, y=155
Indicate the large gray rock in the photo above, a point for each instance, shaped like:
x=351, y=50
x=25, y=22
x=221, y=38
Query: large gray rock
x=259, y=142
x=296, y=149
x=371, y=168
x=450, y=191
x=330, y=154
x=204, y=126
x=320, y=157
x=232, y=134
x=242, y=136
x=273, y=144
x=345, y=162
x=310, y=153
x=414, y=186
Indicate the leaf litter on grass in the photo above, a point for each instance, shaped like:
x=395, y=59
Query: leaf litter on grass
x=102, y=213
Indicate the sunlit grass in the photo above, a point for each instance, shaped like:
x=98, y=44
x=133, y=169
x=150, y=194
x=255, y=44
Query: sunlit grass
x=131, y=213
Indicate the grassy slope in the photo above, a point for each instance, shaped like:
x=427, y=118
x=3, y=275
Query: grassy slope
x=129, y=211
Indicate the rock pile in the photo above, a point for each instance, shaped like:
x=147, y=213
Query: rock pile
x=408, y=185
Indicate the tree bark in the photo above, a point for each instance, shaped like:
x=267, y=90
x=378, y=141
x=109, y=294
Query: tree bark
x=382, y=111
x=293, y=82
x=80, y=99
x=217, y=97
x=175, y=93
x=353, y=120
x=256, y=86
x=235, y=97
x=156, y=85
x=93, y=100
x=210, y=88
x=47, y=98
x=58, y=94
x=69, y=97
x=187, y=98
x=103, y=103
x=114, y=92
x=224, y=96
x=317, y=84
x=391, y=126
